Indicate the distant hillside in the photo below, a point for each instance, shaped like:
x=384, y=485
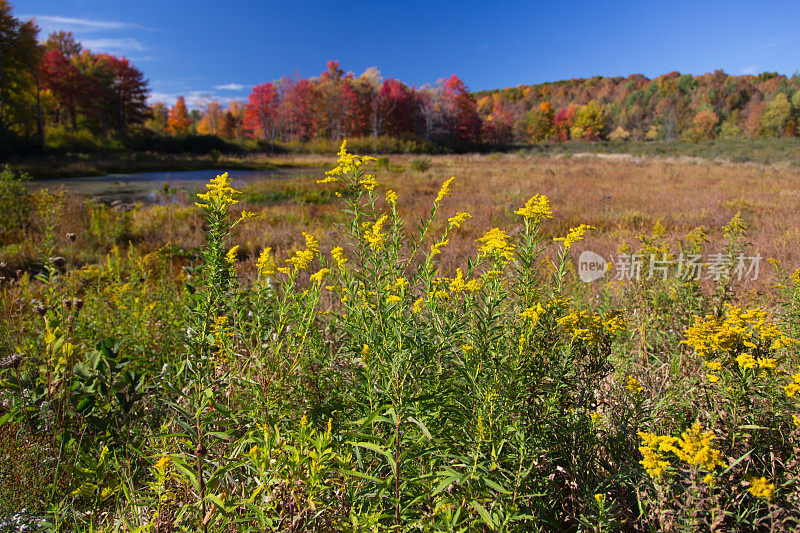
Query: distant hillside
x=668, y=107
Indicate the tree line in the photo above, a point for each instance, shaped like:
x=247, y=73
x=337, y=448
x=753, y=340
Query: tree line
x=56, y=86
x=57, y=83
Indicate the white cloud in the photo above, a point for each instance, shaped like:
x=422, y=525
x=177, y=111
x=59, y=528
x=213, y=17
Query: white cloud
x=229, y=87
x=53, y=23
x=118, y=45
x=194, y=99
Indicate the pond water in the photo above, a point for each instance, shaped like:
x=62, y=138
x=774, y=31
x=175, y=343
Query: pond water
x=161, y=187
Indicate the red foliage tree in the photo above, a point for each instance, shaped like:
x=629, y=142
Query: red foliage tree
x=261, y=115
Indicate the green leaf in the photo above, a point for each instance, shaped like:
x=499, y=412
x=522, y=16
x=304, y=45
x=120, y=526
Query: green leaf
x=487, y=518
x=377, y=449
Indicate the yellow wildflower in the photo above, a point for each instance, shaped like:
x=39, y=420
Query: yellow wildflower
x=445, y=190
x=417, y=308
x=368, y=182
x=575, y=234
x=745, y=361
x=317, y=278
x=437, y=248
x=495, y=242
x=220, y=194
x=265, y=264
x=600, y=499
x=533, y=313
x=301, y=259
x=391, y=198
x=596, y=416
x=311, y=243
x=230, y=257
x=374, y=236
x=696, y=448
x=393, y=298
x=761, y=489
x=537, y=208
x=634, y=385
x=793, y=388
x=456, y=220
x=338, y=256
x=712, y=378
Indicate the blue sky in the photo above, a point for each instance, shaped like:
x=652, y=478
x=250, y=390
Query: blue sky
x=219, y=50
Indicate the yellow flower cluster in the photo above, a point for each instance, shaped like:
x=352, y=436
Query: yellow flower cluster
x=302, y=258
x=437, y=248
x=338, y=256
x=634, y=385
x=265, y=265
x=317, y=278
x=575, y=234
x=536, y=209
x=495, y=242
x=391, y=198
x=230, y=257
x=446, y=190
x=375, y=235
x=761, y=489
x=532, y=314
x=220, y=194
x=695, y=447
x=456, y=220
x=349, y=164
x=734, y=334
x=590, y=328
x=794, y=387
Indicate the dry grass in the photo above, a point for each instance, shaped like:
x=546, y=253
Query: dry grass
x=622, y=196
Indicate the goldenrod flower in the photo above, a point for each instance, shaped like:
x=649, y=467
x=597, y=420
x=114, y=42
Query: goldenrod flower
x=391, y=198
x=393, y=298
x=317, y=278
x=596, y=416
x=712, y=378
x=338, y=256
x=761, y=489
x=495, y=242
x=437, y=248
x=220, y=194
x=445, y=190
x=368, y=182
x=456, y=220
x=301, y=259
x=537, y=208
x=311, y=243
x=375, y=236
x=575, y=234
x=265, y=265
x=417, y=308
x=230, y=257
x=634, y=385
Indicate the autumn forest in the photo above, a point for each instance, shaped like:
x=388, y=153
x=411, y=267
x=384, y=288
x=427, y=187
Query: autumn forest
x=54, y=91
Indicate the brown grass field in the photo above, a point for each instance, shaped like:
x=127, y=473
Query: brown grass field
x=622, y=196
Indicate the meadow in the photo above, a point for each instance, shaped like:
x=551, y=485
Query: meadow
x=404, y=343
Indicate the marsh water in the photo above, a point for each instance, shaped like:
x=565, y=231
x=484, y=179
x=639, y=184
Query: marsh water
x=161, y=187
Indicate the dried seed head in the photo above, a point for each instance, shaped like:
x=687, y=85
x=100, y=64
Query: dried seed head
x=78, y=303
x=71, y=237
x=58, y=262
x=40, y=310
x=67, y=303
x=200, y=451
